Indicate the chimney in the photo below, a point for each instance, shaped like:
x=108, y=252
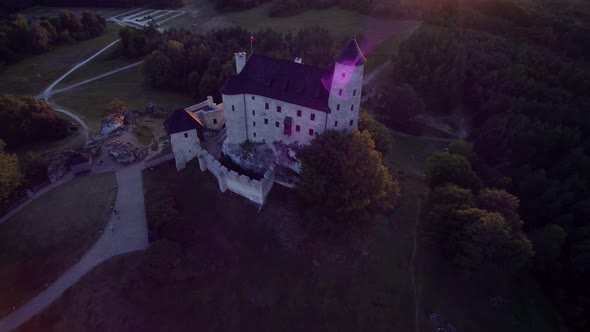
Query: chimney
x=299, y=60
x=240, y=61
x=210, y=101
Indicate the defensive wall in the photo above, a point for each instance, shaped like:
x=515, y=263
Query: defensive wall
x=252, y=189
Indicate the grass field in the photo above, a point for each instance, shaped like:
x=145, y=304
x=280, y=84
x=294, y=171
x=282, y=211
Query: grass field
x=409, y=154
x=90, y=100
x=240, y=270
x=41, y=241
x=99, y=65
x=35, y=73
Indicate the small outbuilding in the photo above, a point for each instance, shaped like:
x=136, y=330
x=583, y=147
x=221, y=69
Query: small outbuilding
x=80, y=162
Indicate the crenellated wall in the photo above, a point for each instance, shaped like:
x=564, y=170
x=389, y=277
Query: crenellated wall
x=254, y=190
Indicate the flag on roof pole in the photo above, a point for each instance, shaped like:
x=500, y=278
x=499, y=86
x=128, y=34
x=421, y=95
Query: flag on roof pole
x=251, y=40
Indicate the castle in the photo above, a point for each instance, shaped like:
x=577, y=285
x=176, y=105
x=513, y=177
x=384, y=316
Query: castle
x=287, y=101
x=269, y=101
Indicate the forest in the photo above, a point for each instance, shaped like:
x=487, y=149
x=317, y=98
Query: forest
x=521, y=75
x=19, y=37
x=186, y=61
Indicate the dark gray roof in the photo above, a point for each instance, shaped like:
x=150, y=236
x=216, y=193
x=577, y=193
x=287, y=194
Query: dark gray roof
x=351, y=55
x=79, y=158
x=180, y=121
x=283, y=80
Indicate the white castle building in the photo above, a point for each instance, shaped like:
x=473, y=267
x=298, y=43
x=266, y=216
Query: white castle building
x=268, y=101
x=287, y=101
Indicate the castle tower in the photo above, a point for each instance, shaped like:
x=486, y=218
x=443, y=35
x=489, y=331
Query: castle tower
x=347, y=83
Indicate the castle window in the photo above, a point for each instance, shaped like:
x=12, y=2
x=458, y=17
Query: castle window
x=335, y=123
x=338, y=107
x=277, y=124
x=253, y=98
x=297, y=128
x=253, y=123
x=266, y=106
x=233, y=108
x=352, y=107
x=254, y=133
x=299, y=113
x=253, y=112
x=354, y=92
x=214, y=121
x=340, y=92
x=312, y=117
x=279, y=109
x=185, y=135
x=351, y=122
x=310, y=132
x=265, y=121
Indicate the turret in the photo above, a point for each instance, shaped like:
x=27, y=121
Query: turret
x=240, y=61
x=345, y=92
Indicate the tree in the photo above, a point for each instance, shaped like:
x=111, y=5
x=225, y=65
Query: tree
x=379, y=133
x=10, y=176
x=117, y=107
x=548, y=242
x=158, y=69
x=488, y=241
x=444, y=167
x=399, y=104
x=95, y=25
x=501, y=201
x=25, y=119
x=70, y=22
x=443, y=221
x=38, y=38
x=343, y=179
x=461, y=147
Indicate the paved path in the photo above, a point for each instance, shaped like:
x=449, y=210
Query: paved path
x=124, y=233
x=50, y=93
x=52, y=85
x=413, y=266
x=130, y=234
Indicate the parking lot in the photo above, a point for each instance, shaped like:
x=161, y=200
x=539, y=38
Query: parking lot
x=141, y=17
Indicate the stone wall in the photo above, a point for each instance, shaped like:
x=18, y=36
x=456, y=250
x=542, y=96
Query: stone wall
x=254, y=190
x=184, y=147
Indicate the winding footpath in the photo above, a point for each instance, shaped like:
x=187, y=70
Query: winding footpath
x=413, y=267
x=125, y=232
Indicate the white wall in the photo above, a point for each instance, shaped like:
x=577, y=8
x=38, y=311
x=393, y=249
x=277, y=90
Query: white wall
x=184, y=146
x=242, y=125
x=235, y=120
x=348, y=79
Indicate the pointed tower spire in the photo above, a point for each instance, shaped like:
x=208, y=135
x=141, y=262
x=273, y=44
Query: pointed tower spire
x=351, y=54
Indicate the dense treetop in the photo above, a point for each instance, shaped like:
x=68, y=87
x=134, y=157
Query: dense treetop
x=26, y=119
x=18, y=37
x=343, y=180
x=519, y=71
